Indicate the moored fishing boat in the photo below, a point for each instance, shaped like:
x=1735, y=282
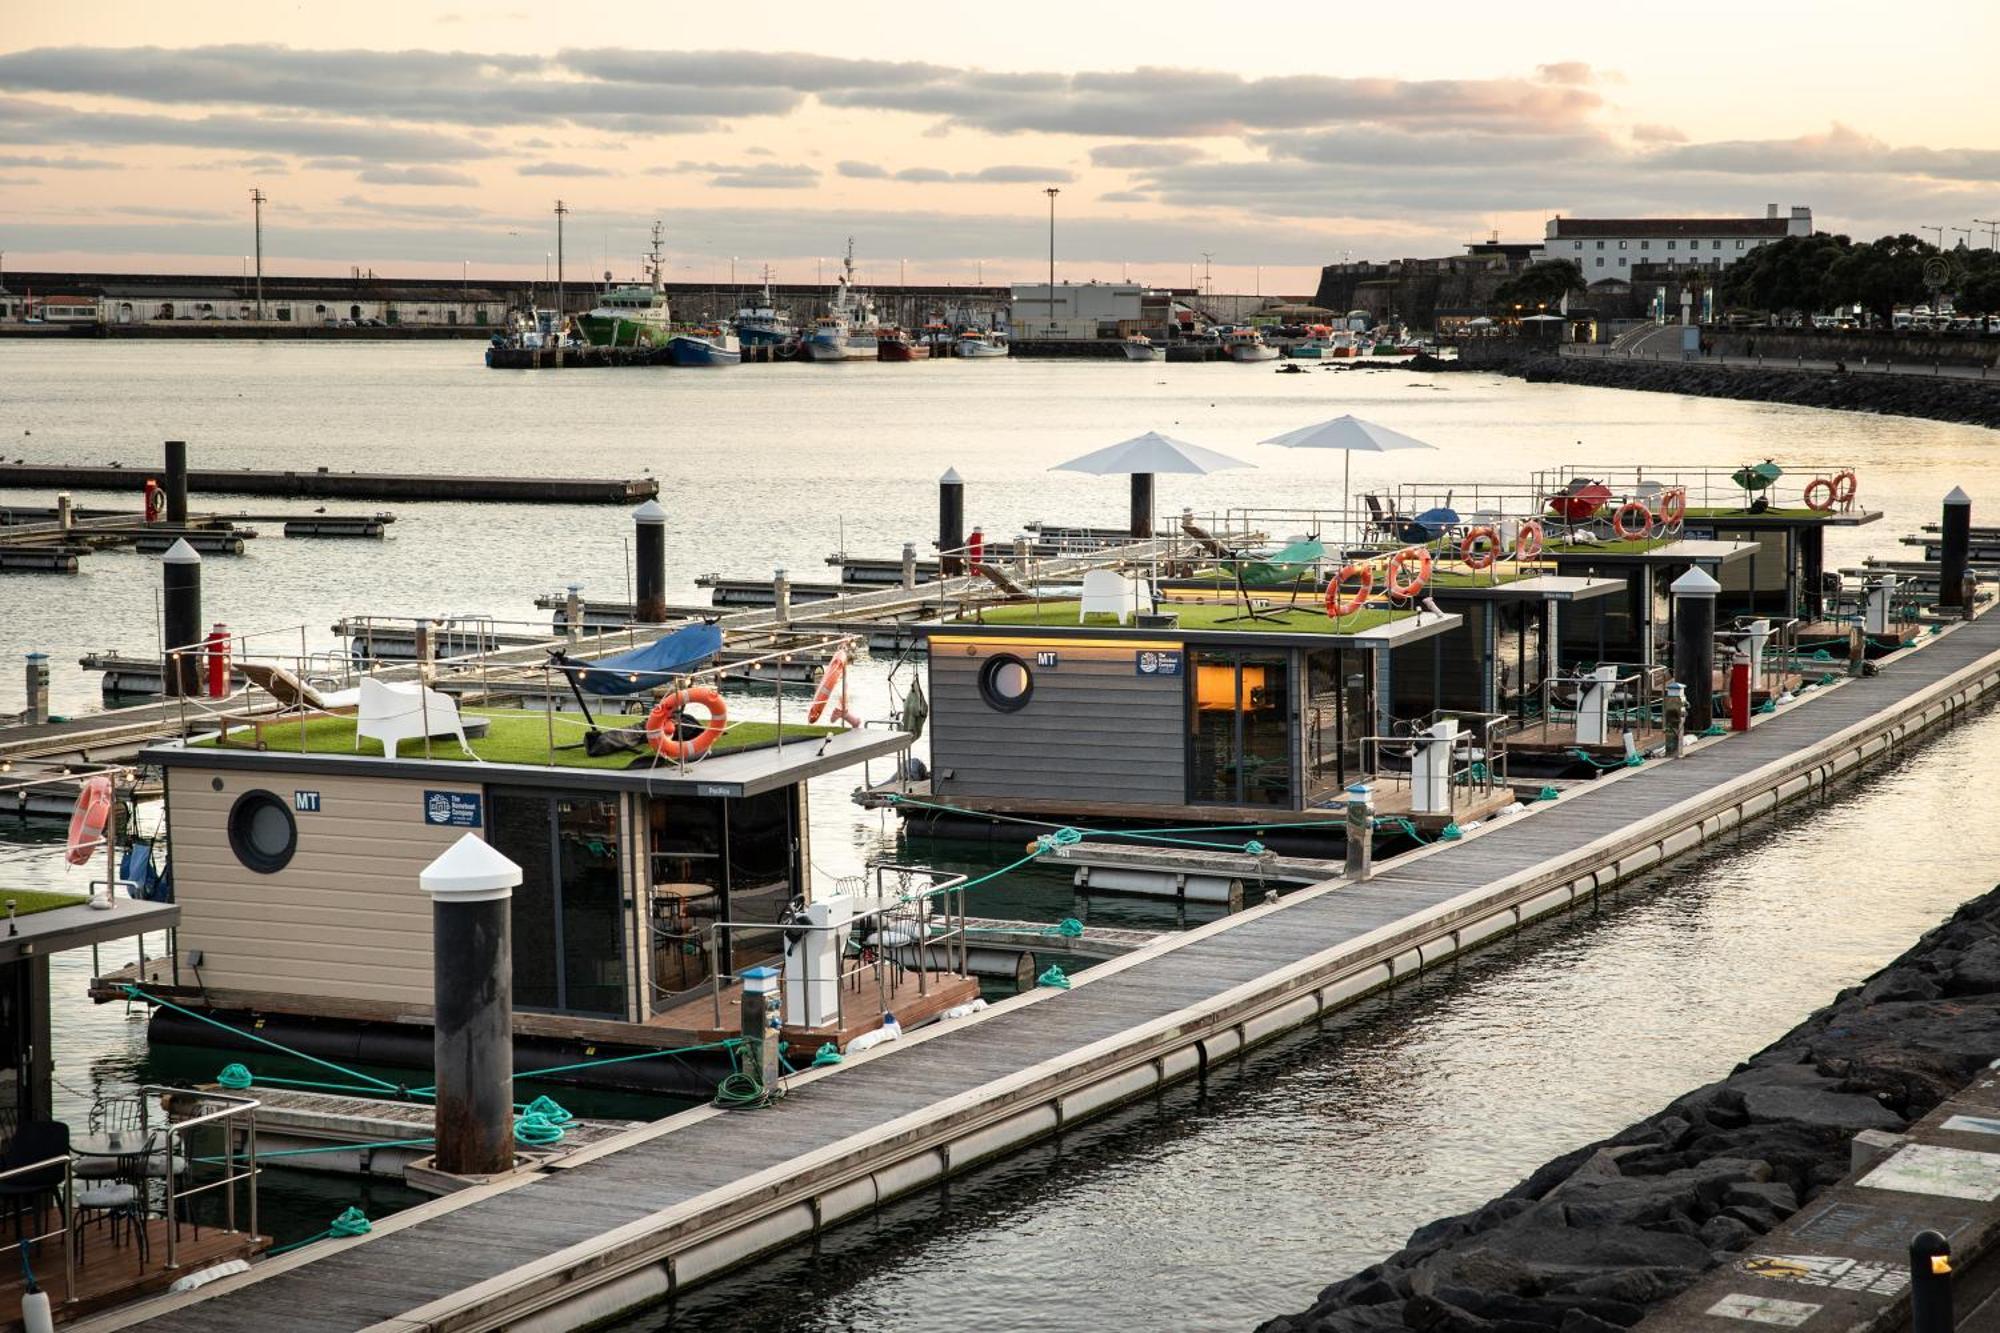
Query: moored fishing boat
x=896, y=345
x=846, y=332
x=714, y=345
x=762, y=323
x=1247, y=345
x=977, y=343
x=632, y=315
x=1139, y=347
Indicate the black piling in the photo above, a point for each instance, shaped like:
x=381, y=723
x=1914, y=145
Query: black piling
x=177, y=482
x=471, y=889
x=1694, y=644
x=1954, y=548
x=649, y=546
x=1930, y=1284
x=951, y=524
x=1142, y=505
x=181, y=575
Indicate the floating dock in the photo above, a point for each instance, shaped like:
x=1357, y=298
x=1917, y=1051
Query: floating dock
x=324, y=483
x=658, y=1210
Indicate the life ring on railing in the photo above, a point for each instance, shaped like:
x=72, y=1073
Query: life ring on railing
x=1822, y=487
x=1528, y=541
x=1673, y=505
x=1480, y=548
x=1843, y=495
x=1625, y=530
x=1336, y=605
x=829, y=681
x=663, y=723
x=87, y=821
x=1398, y=588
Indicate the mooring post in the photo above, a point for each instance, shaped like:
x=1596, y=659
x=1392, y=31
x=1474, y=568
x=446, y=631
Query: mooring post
x=909, y=565
x=649, y=542
x=1954, y=550
x=760, y=1042
x=1674, y=717
x=1857, y=651
x=65, y=516
x=951, y=523
x=1360, y=832
x=781, y=595
x=181, y=574
x=1142, y=505
x=38, y=689
x=573, y=611
x=177, y=483
x=1930, y=1284
x=1694, y=643
x=421, y=645
x=471, y=887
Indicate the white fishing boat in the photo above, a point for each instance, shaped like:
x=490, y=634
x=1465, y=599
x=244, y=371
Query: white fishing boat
x=981, y=343
x=1247, y=344
x=1139, y=347
x=846, y=332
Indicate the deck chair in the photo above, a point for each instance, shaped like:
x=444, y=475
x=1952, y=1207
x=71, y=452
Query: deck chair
x=1291, y=567
x=1380, y=521
x=393, y=714
x=1107, y=591
x=297, y=702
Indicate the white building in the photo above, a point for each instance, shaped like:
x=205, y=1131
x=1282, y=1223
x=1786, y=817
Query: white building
x=1072, y=310
x=1612, y=247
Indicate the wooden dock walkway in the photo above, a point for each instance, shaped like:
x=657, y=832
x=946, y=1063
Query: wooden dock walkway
x=322, y=483
x=667, y=1206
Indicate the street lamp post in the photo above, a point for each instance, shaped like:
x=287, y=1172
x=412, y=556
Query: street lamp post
x=1052, y=192
x=257, y=203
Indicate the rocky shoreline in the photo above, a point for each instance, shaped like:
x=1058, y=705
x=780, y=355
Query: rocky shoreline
x=1599, y=1238
x=1966, y=402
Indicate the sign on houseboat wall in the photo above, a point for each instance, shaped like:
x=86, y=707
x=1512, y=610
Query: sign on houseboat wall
x=454, y=809
x=1156, y=663
x=306, y=802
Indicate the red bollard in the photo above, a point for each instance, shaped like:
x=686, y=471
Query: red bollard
x=975, y=549
x=218, y=661
x=1739, y=693
x=156, y=501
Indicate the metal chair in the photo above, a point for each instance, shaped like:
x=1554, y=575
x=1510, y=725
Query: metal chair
x=123, y=1195
x=35, y=1141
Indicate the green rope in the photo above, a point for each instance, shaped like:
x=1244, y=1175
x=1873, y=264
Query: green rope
x=134, y=993
x=537, y=1130
x=1451, y=832
x=1404, y=825
x=351, y=1223
x=1548, y=794
x=1713, y=729
x=1053, y=977
x=549, y=1109
x=234, y=1077
x=829, y=1054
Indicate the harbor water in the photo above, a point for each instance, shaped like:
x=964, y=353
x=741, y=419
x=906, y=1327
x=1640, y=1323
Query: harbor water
x=1211, y=1207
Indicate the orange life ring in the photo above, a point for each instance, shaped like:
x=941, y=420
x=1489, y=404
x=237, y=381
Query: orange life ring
x=1674, y=504
x=829, y=680
x=87, y=821
x=1528, y=541
x=1336, y=606
x=663, y=722
x=156, y=502
x=1400, y=589
x=1632, y=507
x=1843, y=495
x=1819, y=486
x=1480, y=548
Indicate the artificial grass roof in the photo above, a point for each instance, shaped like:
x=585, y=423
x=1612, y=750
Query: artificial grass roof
x=1619, y=546
x=513, y=737
x=1775, y=511
x=1308, y=618
x=1442, y=575
x=27, y=902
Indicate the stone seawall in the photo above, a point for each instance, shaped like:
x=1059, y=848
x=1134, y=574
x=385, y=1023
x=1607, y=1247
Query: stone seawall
x=1601, y=1237
x=1968, y=402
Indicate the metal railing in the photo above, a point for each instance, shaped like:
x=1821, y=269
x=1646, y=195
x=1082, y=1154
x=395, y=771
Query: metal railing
x=1476, y=764
x=66, y=1209
x=233, y=1115
x=1707, y=487
x=1641, y=688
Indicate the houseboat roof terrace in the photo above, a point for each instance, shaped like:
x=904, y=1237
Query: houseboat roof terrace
x=1211, y=621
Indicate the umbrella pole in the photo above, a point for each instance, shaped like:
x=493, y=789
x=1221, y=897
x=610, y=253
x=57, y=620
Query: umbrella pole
x=1346, y=496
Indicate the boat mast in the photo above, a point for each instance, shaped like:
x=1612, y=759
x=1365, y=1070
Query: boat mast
x=654, y=258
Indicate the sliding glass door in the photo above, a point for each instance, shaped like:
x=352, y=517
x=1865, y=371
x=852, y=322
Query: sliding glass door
x=1240, y=747
x=569, y=954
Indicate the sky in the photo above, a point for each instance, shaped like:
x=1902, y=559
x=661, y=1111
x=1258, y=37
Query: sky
x=434, y=138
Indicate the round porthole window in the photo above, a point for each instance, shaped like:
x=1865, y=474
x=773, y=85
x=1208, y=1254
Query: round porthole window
x=1006, y=683
x=262, y=832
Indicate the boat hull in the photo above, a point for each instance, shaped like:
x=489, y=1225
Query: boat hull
x=1253, y=352
x=610, y=331
x=1145, y=353
x=902, y=351
x=979, y=349
x=687, y=351
x=817, y=349
x=751, y=335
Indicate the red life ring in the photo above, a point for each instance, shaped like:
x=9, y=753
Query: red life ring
x=1528, y=541
x=156, y=501
x=1336, y=606
x=1822, y=487
x=664, y=721
x=87, y=821
x=1398, y=588
x=1843, y=495
x=1674, y=504
x=1632, y=507
x=1480, y=548
x=829, y=680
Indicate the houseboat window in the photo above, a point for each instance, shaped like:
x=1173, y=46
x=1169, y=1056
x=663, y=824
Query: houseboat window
x=1239, y=724
x=568, y=930
x=1340, y=710
x=718, y=860
x=262, y=832
x=1006, y=683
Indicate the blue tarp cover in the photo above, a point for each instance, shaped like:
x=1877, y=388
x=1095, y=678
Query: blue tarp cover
x=649, y=667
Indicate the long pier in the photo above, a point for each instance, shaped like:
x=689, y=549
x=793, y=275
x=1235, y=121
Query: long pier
x=324, y=483
x=658, y=1210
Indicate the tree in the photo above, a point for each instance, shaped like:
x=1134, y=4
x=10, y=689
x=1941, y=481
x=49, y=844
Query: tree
x=1786, y=277
x=1979, y=289
x=1540, y=284
x=1881, y=275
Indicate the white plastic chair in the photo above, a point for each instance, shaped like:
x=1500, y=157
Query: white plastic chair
x=393, y=714
x=1112, y=593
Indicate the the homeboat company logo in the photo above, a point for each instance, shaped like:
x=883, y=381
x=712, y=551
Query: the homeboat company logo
x=1151, y=663
x=437, y=809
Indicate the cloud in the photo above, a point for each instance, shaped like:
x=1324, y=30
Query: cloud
x=1128, y=155
x=416, y=176
x=1840, y=149
x=792, y=71
x=998, y=175
x=1574, y=73
x=561, y=169
x=27, y=122
x=747, y=176
x=450, y=212
x=1658, y=134
x=20, y=182
x=56, y=163
x=1124, y=197
x=866, y=171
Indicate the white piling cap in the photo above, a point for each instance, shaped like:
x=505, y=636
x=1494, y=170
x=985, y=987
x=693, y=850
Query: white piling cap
x=951, y=478
x=180, y=553
x=1958, y=497
x=469, y=871
x=649, y=512
x=1695, y=583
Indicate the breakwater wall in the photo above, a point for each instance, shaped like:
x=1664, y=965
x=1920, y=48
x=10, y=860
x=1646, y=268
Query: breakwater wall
x=1965, y=401
x=1608, y=1233
x=1854, y=345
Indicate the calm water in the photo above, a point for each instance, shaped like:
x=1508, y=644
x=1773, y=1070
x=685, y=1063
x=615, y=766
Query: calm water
x=1209, y=1208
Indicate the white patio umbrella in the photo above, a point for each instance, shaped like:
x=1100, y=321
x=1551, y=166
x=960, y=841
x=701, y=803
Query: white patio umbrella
x=1142, y=456
x=1351, y=435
